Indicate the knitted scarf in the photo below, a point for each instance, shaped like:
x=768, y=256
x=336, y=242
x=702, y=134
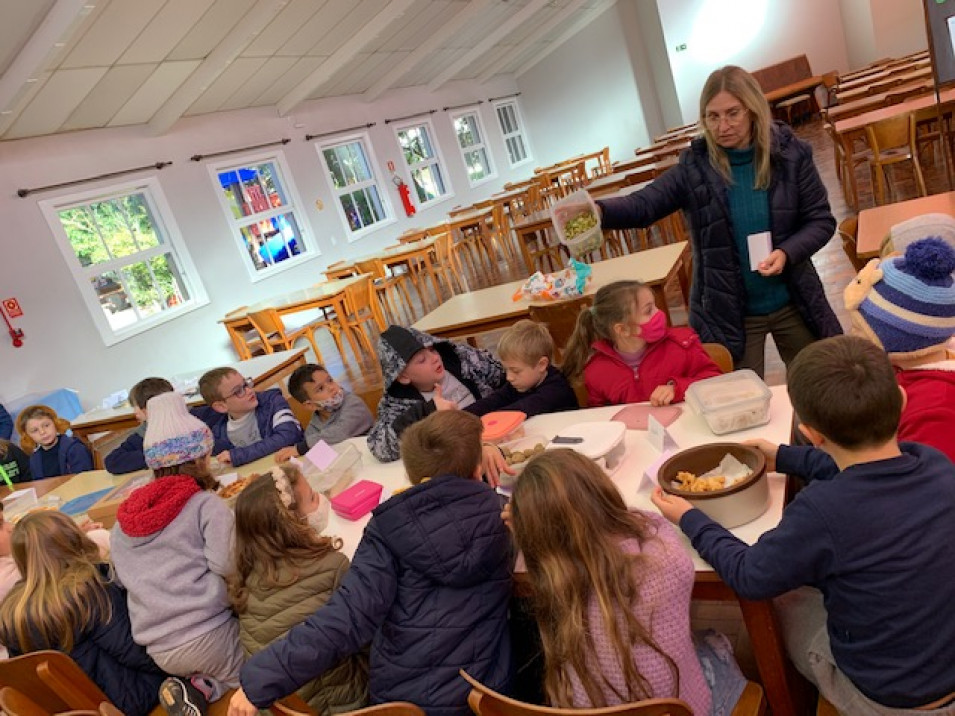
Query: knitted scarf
x=151, y=507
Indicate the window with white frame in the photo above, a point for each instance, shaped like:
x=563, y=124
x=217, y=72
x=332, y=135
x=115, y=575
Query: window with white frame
x=474, y=150
x=424, y=162
x=512, y=128
x=351, y=172
x=260, y=202
x=127, y=257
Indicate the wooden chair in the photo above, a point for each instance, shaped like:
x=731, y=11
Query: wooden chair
x=244, y=337
x=848, y=231
x=560, y=317
x=719, y=355
x=393, y=708
x=847, y=159
x=604, y=166
x=16, y=703
x=52, y=681
x=892, y=141
x=361, y=308
x=275, y=336
x=391, y=290
x=447, y=264
x=487, y=702
x=371, y=396
x=340, y=269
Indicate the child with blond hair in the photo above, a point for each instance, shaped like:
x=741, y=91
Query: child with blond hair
x=534, y=384
x=53, y=452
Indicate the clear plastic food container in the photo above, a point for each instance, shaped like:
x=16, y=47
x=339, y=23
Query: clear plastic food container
x=337, y=476
x=730, y=402
x=602, y=442
x=517, y=453
x=18, y=502
x=503, y=425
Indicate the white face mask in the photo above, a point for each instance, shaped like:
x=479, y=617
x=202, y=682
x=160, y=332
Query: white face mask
x=334, y=403
x=318, y=520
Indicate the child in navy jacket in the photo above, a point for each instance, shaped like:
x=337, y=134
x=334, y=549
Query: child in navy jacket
x=246, y=425
x=128, y=457
x=869, y=539
x=428, y=588
x=534, y=385
x=6, y=424
x=54, y=453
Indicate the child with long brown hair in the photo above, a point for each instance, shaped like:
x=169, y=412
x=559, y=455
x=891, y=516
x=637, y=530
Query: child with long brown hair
x=52, y=451
x=66, y=601
x=611, y=589
x=627, y=354
x=285, y=570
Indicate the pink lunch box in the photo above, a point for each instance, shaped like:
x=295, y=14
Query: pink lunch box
x=358, y=500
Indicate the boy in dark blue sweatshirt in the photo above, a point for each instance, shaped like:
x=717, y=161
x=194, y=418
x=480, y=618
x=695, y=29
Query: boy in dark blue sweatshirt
x=867, y=546
x=128, y=457
x=534, y=385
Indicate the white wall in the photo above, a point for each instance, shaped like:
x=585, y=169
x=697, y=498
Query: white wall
x=62, y=347
x=859, y=32
x=749, y=33
x=583, y=96
x=899, y=27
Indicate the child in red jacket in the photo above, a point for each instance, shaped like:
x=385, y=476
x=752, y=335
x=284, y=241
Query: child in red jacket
x=628, y=354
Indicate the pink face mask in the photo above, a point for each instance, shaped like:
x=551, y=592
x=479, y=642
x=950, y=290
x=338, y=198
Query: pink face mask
x=655, y=329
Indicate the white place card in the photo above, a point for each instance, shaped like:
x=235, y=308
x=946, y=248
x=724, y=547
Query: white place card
x=322, y=455
x=760, y=247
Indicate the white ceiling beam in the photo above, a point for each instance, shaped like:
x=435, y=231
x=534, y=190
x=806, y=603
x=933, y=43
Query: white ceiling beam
x=60, y=21
x=516, y=51
x=505, y=29
x=246, y=30
x=567, y=34
x=393, y=10
x=388, y=80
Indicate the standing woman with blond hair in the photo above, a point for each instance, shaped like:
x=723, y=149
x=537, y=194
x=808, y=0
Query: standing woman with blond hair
x=745, y=176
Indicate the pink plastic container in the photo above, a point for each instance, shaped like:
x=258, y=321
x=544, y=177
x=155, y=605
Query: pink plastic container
x=358, y=500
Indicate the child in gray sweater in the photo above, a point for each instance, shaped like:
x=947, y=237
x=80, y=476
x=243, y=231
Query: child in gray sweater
x=339, y=414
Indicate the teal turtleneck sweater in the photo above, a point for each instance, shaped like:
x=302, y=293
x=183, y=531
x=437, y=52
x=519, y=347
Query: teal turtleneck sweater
x=749, y=211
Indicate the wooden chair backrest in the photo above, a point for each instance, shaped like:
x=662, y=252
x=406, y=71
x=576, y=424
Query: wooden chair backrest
x=560, y=317
x=267, y=322
x=359, y=296
x=848, y=231
x=16, y=703
x=392, y=708
x=371, y=396
x=499, y=219
x=720, y=355
x=442, y=246
x=52, y=680
x=487, y=702
x=372, y=266
x=891, y=133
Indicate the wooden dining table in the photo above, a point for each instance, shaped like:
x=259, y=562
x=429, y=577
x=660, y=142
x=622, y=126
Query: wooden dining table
x=266, y=371
x=862, y=82
x=857, y=123
x=875, y=223
x=468, y=314
x=889, y=83
x=869, y=102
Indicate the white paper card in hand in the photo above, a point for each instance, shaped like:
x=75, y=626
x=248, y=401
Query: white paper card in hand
x=760, y=247
x=650, y=474
x=322, y=455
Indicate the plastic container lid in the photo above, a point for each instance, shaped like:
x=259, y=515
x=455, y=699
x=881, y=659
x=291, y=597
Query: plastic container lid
x=594, y=440
x=501, y=423
x=738, y=389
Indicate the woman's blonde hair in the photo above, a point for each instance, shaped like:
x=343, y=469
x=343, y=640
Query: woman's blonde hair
x=270, y=534
x=613, y=304
x=38, y=411
x=61, y=589
x=742, y=85
x=569, y=520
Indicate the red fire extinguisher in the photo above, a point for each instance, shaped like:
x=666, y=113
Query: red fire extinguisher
x=405, y=193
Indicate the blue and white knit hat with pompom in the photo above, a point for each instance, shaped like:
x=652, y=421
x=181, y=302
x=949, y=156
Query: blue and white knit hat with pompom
x=913, y=307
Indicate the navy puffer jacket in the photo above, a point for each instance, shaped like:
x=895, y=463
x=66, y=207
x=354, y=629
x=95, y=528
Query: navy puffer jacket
x=428, y=587
x=800, y=219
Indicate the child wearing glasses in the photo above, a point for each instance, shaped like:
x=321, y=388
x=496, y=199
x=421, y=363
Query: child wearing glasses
x=246, y=425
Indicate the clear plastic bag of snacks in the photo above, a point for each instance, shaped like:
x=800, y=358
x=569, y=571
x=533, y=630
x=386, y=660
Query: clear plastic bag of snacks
x=577, y=223
x=566, y=283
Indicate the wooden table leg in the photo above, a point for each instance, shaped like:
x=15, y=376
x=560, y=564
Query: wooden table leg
x=788, y=692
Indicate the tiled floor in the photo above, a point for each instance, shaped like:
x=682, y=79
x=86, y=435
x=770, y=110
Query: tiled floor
x=835, y=271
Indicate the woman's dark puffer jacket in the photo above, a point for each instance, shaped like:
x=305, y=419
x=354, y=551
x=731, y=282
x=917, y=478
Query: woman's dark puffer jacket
x=272, y=610
x=800, y=219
